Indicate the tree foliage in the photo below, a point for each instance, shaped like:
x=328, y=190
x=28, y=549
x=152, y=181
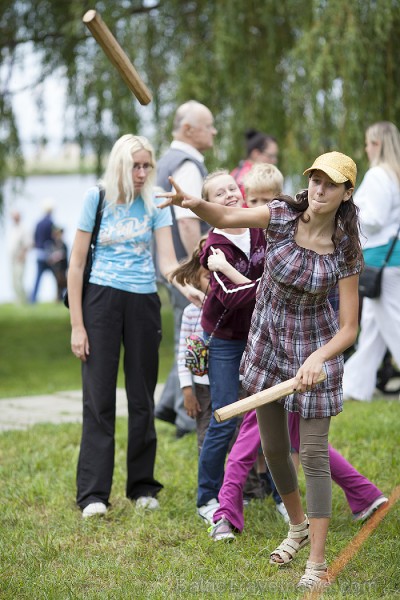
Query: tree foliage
x=314, y=73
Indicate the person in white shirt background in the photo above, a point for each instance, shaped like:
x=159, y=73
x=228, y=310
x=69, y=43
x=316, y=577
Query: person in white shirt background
x=378, y=199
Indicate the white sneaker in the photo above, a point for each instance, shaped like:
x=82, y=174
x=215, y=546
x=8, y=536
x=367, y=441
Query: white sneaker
x=365, y=514
x=207, y=511
x=281, y=508
x=147, y=502
x=221, y=531
x=95, y=508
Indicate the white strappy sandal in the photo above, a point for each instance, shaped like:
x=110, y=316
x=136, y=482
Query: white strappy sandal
x=315, y=576
x=288, y=549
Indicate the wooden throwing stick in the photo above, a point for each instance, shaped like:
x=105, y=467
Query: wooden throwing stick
x=259, y=399
x=117, y=56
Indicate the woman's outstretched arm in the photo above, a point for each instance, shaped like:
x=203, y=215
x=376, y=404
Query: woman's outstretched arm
x=217, y=215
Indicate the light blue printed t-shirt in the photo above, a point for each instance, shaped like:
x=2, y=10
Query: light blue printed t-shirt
x=123, y=256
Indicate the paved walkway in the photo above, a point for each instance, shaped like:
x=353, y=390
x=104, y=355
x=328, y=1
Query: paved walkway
x=61, y=407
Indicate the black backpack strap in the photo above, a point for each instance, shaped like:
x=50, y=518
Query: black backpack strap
x=391, y=248
x=99, y=211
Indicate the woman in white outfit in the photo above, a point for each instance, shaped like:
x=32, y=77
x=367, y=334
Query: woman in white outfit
x=378, y=199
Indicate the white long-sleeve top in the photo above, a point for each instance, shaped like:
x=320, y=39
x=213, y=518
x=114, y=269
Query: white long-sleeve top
x=188, y=177
x=378, y=199
x=190, y=325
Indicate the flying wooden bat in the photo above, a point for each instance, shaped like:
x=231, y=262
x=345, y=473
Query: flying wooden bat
x=265, y=397
x=117, y=56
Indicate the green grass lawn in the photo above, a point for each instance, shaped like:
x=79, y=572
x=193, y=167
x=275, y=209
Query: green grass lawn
x=47, y=552
x=35, y=354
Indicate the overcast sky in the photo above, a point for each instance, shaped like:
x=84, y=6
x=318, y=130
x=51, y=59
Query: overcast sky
x=55, y=125
x=25, y=96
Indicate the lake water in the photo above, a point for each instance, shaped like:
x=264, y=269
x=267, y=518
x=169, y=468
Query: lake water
x=67, y=193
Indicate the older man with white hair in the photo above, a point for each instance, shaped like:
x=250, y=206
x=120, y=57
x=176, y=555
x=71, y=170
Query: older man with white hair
x=193, y=134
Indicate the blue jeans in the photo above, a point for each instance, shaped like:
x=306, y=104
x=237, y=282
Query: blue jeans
x=42, y=266
x=271, y=486
x=224, y=361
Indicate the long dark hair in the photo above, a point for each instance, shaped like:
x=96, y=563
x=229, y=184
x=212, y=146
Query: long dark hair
x=256, y=140
x=188, y=271
x=347, y=224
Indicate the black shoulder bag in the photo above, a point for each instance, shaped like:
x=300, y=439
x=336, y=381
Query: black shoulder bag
x=370, y=282
x=90, y=254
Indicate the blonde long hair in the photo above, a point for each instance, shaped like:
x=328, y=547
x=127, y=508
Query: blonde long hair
x=117, y=179
x=388, y=135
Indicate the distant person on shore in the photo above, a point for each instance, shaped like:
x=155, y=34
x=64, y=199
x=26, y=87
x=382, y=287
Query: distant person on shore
x=18, y=248
x=42, y=239
x=57, y=259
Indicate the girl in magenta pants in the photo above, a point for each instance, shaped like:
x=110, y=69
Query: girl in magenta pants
x=361, y=493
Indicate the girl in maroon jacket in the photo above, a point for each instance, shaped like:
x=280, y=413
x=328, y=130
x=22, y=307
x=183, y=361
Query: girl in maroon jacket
x=226, y=319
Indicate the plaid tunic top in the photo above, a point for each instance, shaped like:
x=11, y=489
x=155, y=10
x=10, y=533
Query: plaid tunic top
x=293, y=317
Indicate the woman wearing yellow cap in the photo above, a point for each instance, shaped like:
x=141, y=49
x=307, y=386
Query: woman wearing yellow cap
x=312, y=246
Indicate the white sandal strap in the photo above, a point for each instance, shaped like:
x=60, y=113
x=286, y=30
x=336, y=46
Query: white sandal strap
x=288, y=549
x=316, y=566
x=297, y=531
x=315, y=575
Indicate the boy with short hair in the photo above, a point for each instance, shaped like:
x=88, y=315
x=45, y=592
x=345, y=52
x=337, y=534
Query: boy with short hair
x=263, y=183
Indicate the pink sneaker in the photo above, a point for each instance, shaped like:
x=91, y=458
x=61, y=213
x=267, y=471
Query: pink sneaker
x=365, y=514
x=221, y=531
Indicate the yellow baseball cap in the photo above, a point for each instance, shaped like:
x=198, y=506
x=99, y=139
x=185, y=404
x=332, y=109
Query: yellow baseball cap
x=337, y=166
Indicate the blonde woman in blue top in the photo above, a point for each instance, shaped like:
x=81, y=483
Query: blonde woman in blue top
x=120, y=306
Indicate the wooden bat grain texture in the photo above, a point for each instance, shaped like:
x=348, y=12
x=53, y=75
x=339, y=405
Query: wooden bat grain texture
x=264, y=397
x=117, y=56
